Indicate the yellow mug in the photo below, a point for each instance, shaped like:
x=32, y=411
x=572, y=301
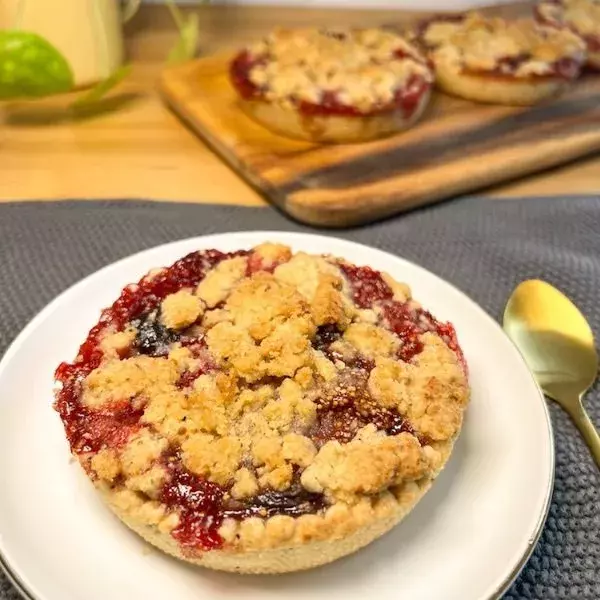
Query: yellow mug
x=89, y=33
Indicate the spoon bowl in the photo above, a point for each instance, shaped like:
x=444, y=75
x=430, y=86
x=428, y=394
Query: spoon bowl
x=557, y=344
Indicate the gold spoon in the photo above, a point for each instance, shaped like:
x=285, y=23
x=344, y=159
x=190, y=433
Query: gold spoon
x=558, y=346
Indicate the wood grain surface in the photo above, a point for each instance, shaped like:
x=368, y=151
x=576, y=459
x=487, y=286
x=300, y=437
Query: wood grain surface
x=137, y=148
x=458, y=147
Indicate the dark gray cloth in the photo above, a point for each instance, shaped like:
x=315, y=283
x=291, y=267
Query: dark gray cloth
x=483, y=247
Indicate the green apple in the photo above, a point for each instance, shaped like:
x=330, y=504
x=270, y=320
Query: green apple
x=31, y=67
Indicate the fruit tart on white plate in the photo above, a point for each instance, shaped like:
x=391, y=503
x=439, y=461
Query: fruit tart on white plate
x=263, y=411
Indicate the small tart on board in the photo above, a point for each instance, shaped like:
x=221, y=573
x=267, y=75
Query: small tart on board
x=333, y=86
x=580, y=16
x=495, y=61
x=263, y=411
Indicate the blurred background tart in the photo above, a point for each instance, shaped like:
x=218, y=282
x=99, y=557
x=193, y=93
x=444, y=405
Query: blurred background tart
x=496, y=61
x=580, y=16
x=329, y=85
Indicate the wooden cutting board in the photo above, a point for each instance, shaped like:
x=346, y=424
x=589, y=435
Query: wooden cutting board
x=457, y=147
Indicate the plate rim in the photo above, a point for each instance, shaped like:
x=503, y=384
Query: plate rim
x=497, y=594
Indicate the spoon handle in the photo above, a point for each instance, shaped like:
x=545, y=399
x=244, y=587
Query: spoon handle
x=583, y=422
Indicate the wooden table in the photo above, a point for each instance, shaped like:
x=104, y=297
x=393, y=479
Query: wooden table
x=141, y=150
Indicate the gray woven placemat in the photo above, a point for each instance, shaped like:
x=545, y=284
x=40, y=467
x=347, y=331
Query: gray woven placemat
x=483, y=247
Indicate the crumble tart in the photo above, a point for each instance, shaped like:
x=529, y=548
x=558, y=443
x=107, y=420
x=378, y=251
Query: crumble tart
x=580, y=16
x=324, y=85
x=495, y=61
x=263, y=411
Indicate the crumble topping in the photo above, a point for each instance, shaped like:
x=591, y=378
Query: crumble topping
x=180, y=310
x=519, y=48
x=582, y=16
x=360, y=68
x=369, y=464
x=263, y=398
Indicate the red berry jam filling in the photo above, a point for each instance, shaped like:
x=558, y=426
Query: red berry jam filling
x=90, y=430
x=406, y=98
x=188, y=377
x=239, y=72
x=325, y=336
x=409, y=97
x=405, y=319
x=202, y=505
x=152, y=337
x=342, y=411
x=565, y=68
x=198, y=349
x=367, y=285
x=293, y=502
x=87, y=430
x=198, y=503
x=593, y=42
x=409, y=322
x=257, y=262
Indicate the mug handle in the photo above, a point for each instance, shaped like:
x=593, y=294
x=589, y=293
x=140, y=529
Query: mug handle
x=130, y=7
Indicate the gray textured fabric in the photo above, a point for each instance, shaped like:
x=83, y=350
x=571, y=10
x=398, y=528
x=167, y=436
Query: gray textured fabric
x=483, y=247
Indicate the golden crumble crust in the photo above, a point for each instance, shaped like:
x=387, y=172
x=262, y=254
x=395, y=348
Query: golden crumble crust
x=371, y=340
x=364, y=68
x=180, y=310
x=583, y=16
x=520, y=49
x=369, y=464
x=217, y=284
x=282, y=401
x=116, y=345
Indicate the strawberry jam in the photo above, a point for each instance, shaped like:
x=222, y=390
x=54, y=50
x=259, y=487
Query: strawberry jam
x=240, y=75
x=188, y=377
x=368, y=286
x=257, y=262
x=409, y=323
x=202, y=505
x=346, y=408
x=406, y=98
x=198, y=503
x=406, y=320
x=293, y=502
x=566, y=68
x=89, y=430
x=325, y=336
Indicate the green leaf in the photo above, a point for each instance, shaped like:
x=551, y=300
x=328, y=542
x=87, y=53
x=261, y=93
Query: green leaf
x=186, y=45
x=31, y=67
x=102, y=88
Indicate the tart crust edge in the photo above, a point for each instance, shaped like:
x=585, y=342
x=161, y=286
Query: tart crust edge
x=497, y=90
x=295, y=555
x=292, y=123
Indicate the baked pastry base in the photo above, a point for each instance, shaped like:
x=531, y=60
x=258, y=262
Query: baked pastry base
x=278, y=560
x=332, y=129
x=295, y=557
x=497, y=90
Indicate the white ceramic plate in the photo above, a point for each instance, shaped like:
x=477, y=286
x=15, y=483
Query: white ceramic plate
x=466, y=540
